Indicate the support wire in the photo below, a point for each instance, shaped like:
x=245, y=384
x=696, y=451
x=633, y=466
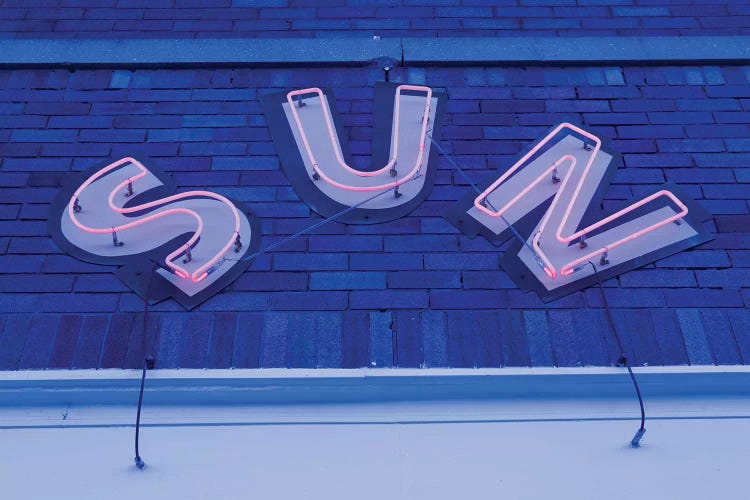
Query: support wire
x=623, y=360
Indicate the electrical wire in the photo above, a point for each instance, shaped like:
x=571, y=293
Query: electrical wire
x=148, y=358
x=315, y=226
x=479, y=191
x=148, y=361
x=623, y=360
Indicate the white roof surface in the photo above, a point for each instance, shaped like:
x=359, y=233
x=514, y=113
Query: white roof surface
x=696, y=447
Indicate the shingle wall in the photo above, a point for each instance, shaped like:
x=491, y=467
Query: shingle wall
x=387, y=18
x=405, y=293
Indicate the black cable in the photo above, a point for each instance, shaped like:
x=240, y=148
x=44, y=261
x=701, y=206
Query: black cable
x=148, y=363
x=138, y=460
x=148, y=358
x=479, y=191
x=315, y=226
x=623, y=361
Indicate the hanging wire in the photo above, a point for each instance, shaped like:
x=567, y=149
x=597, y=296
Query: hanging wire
x=315, y=226
x=479, y=191
x=623, y=360
x=148, y=363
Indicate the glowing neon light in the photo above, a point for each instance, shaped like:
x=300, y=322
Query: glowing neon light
x=390, y=166
x=199, y=274
x=570, y=267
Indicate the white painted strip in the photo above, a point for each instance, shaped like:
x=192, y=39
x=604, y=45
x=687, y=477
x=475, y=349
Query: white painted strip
x=357, y=373
x=688, y=460
x=459, y=411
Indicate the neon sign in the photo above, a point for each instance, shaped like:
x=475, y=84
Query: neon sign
x=306, y=130
x=562, y=236
x=125, y=213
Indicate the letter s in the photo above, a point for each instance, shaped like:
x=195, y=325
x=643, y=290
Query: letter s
x=119, y=213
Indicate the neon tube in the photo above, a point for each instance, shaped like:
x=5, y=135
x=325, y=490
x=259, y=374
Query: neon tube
x=571, y=267
x=199, y=274
x=332, y=136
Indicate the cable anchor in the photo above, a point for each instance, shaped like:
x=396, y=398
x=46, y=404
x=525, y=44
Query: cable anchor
x=603, y=260
x=130, y=189
x=77, y=206
x=115, y=241
x=582, y=243
x=188, y=256
x=237, y=244
x=636, y=441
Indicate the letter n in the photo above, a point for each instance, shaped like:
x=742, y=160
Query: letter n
x=551, y=202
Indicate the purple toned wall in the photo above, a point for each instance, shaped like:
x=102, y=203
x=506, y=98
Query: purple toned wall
x=389, y=18
x=406, y=293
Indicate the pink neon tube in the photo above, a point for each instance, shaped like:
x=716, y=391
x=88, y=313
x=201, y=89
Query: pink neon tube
x=571, y=267
x=332, y=136
x=202, y=271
